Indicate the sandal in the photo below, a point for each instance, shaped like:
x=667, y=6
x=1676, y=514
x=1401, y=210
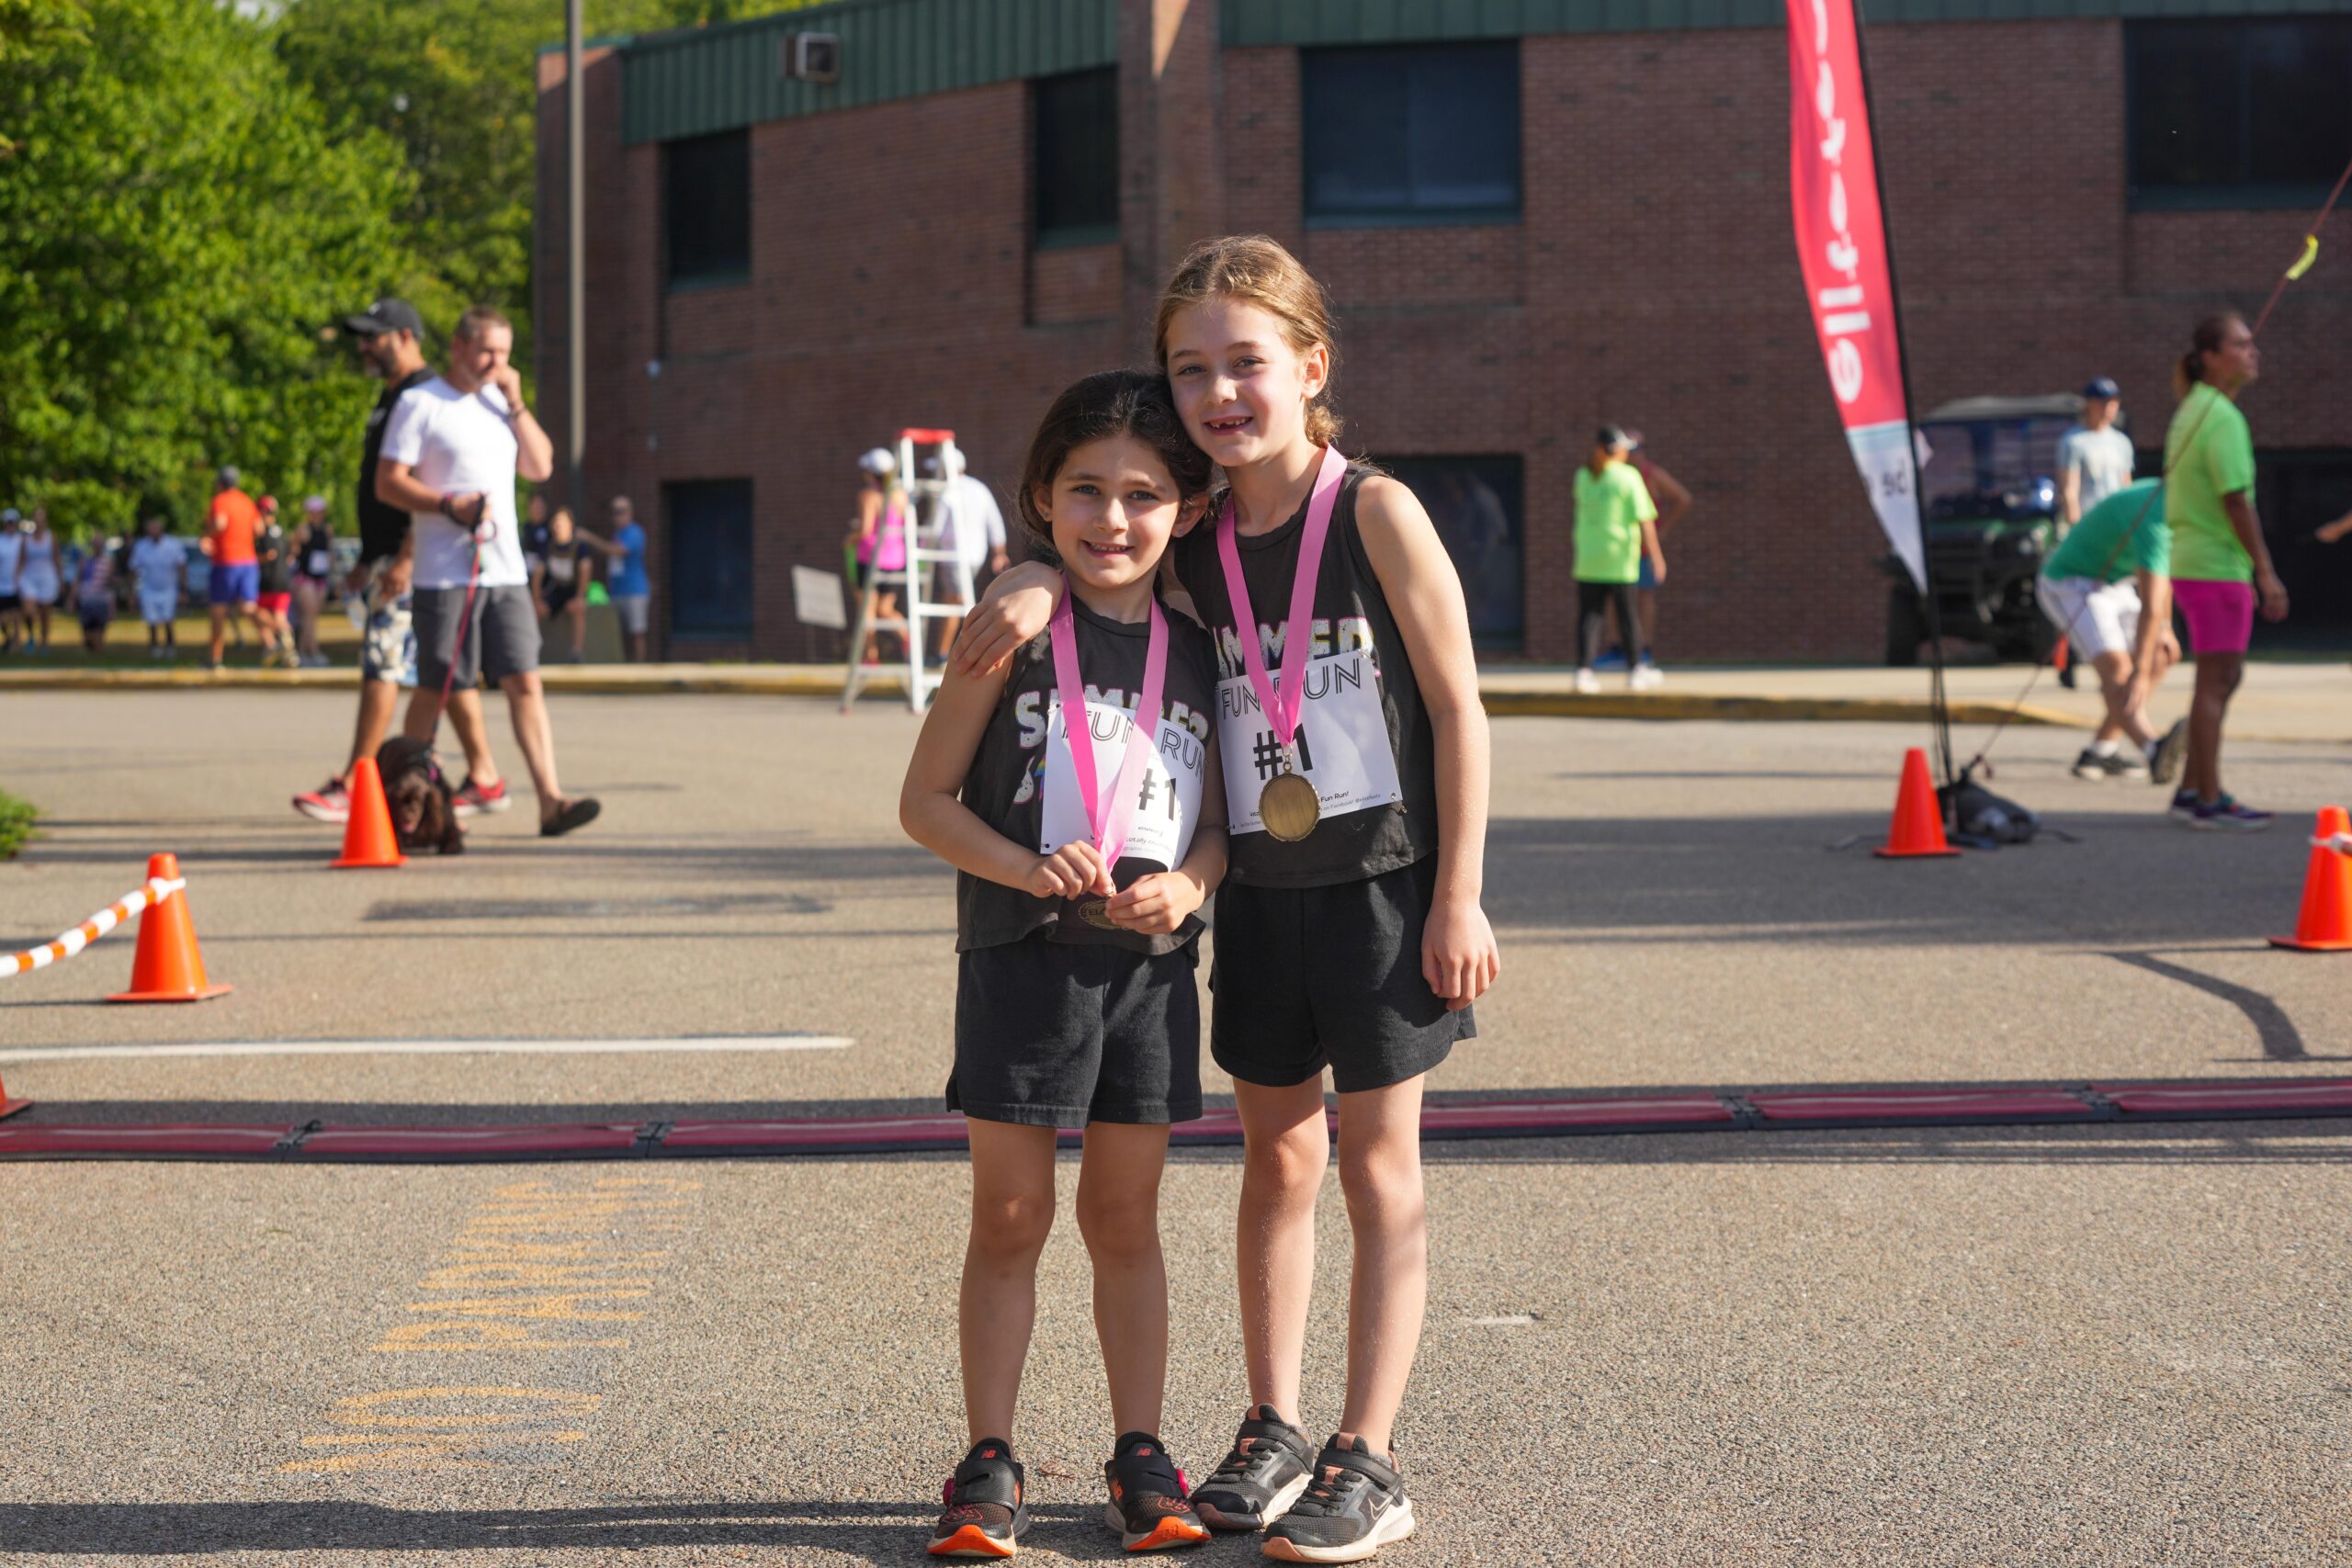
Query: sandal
x=573, y=814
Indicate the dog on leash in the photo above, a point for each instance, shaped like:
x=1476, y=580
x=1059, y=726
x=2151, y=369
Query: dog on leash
x=425, y=808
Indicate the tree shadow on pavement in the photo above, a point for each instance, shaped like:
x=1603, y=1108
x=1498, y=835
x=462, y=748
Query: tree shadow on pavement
x=871, y=1532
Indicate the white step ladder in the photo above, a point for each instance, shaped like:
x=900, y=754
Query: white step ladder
x=930, y=543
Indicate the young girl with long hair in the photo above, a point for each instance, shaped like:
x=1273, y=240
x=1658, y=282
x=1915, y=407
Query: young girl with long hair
x=1350, y=935
x=1074, y=786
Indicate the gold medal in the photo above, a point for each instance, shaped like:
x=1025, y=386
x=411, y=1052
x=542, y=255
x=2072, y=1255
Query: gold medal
x=1289, y=808
x=1097, y=913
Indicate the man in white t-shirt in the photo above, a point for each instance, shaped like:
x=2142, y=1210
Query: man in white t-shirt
x=2095, y=458
x=452, y=450
x=975, y=527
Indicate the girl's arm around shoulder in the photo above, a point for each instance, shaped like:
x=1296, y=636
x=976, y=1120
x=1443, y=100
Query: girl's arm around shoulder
x=1417, y=577
x=933, y=815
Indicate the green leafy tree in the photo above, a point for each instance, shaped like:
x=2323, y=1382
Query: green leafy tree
x=453, y=83
x=178, y=229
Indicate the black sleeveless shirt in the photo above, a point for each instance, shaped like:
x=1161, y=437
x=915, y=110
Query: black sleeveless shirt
x=1005, y=784
x=1350, y=612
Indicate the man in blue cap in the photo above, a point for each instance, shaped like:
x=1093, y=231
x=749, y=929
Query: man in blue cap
x=2095, y=458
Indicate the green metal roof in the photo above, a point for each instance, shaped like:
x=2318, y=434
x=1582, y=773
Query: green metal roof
x=705, y=79
x=698, y=80
x=1246, y=23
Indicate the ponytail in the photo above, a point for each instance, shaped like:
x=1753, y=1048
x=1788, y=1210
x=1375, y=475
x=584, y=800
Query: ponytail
x=2205, y=340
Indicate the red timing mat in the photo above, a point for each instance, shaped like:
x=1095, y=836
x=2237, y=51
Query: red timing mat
x=1523, y=1116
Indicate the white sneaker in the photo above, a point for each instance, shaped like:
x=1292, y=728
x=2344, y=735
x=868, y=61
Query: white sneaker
x=1587, y=683
x=1646, y=678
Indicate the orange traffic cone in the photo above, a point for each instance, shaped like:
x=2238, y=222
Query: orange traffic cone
x=2325, y=923
x=10, y=1107
x=367, y=836
x=1917, y=831
x=168, y=967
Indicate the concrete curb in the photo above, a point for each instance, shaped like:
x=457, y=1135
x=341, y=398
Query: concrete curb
x=1506, y=696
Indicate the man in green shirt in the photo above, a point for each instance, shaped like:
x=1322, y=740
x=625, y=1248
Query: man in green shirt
x=1616, y=530
x=2108, y=588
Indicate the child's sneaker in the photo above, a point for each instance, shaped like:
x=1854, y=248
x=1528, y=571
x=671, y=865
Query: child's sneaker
x=987, y=1507
x=1354, y=1506
x=2183, y=806
x=1147, y=1506
x=1260, y=1478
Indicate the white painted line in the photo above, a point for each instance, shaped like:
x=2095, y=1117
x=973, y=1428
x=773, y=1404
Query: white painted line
x=1511, y=1320
x=691, y=1044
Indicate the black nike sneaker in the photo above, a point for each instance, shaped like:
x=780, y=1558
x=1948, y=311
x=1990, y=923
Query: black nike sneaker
x=1147, y=1506
x=987, y=1505
x=1258, y=1481
x=1354, y=1505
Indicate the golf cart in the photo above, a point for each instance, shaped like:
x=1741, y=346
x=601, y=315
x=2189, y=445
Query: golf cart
x=1990, y=518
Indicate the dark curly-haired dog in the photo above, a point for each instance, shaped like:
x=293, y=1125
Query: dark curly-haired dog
x=424, y=812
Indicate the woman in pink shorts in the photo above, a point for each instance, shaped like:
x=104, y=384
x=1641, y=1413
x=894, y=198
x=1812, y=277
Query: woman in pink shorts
x=2219, y=563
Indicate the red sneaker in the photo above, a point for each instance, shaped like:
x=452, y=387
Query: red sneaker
x=472, y=799
x=328, y=803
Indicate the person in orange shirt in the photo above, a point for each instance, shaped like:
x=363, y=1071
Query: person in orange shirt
x=229, y=530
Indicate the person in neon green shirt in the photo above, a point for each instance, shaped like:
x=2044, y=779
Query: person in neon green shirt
x=2108, y=588
x=1616, y=530
x=2219, y=563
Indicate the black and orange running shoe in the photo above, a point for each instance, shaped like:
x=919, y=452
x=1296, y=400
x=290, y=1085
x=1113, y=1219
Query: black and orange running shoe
x=1147, y=1506
x=987, y=1505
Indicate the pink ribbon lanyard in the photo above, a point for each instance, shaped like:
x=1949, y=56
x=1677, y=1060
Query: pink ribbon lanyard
x=1298, y=632
x=1108, y=820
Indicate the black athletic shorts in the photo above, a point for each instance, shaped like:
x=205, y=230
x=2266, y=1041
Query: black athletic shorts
x=1310, y=978
x=1057, y=1034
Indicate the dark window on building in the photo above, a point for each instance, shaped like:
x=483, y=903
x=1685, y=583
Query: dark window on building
x=1475, y=503
x=710, y=557
x=1426, y=133
x=2295, y=492
x=706, y=208
x=1074, y=137
x=2237, y=112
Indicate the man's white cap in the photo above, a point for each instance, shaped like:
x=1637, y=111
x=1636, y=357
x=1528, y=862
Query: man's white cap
x=878, y=461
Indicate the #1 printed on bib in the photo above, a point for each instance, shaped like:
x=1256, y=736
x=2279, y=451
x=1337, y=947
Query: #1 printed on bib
x=1168, y=802
x=1342, y=738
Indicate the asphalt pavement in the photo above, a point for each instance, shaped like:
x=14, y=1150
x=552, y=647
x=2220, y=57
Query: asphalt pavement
x=1962, y=1346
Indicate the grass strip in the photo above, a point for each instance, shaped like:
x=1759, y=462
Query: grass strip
x=16, y=824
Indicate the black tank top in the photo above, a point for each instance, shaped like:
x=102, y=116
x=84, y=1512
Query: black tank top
x=1351, y=614
x=1005, y=786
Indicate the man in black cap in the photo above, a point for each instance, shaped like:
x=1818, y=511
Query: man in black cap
x=388, y=333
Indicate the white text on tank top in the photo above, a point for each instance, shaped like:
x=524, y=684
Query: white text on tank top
x=1167, y=801
x=1343, y=748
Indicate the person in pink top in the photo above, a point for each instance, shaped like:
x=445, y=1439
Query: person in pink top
x=878, y=541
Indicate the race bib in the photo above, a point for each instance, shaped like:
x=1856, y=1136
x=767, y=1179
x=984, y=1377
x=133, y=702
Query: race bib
x=320, y=563
x=1343, y=746
x=1167, y=801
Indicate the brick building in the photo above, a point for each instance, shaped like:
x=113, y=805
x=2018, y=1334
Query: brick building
x=1531, y=215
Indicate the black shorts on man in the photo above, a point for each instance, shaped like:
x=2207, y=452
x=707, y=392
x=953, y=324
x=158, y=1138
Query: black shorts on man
x=501, y=635
x=1058, y=1034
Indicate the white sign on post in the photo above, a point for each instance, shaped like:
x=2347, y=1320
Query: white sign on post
x=817, y=598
